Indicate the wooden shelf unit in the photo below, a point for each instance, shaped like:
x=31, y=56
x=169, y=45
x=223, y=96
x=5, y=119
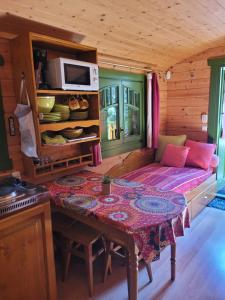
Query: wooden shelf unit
x=22, y=53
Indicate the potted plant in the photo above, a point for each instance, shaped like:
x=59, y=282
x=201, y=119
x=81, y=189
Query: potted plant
x=106, y=185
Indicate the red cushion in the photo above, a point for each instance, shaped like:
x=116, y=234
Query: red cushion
x=174, y=156
x=200, y=154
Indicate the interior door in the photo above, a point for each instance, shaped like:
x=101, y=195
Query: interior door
x=221, y=129
x=216, y=122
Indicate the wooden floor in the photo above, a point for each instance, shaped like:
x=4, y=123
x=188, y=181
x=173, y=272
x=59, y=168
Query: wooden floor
x=200, y=269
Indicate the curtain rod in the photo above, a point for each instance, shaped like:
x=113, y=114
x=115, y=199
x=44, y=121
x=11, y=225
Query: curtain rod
x=124, y=66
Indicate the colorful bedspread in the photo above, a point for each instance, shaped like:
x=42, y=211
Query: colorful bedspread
x=165, y=179
x=154, y=218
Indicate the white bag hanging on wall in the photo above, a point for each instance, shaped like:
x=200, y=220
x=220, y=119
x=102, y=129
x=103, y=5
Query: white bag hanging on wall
x=26, y=123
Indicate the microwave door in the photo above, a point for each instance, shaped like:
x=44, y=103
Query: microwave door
x=77, y=76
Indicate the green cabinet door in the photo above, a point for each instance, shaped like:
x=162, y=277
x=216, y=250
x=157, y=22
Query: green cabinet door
x=132, y=110
x=122, y=112
x=110, y=110
x=5, y=161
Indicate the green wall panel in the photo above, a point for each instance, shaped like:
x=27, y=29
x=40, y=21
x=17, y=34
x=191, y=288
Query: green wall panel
x=5, y=161
x=216, y=113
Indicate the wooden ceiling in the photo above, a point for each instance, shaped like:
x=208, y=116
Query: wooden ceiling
x=155, y=33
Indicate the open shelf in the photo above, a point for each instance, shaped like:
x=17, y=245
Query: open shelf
x=61, y=165
x=71, y=143
x=62, y=92
x=59, y=44
x=62, y=125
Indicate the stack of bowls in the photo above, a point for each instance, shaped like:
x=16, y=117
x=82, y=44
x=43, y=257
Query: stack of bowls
x=51, y=117
x=45, y=103
x=71, y=133
x=78, y=115
x=63, y=110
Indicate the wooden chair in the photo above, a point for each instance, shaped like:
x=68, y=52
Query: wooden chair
x=115, y=249
x=77, y=239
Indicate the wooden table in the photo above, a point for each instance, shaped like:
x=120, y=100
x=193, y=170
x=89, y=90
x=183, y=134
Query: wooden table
x=134, y=215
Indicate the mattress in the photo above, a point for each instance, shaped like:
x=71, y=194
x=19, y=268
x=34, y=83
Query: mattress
x=179, y=180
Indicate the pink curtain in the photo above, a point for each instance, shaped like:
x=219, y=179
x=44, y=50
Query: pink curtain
x=155, y=111
x=97, y=155
x=149, y=110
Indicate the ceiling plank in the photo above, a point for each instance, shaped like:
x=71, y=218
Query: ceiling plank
x=159, y=33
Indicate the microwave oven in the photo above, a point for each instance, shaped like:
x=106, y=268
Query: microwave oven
x=69, y=74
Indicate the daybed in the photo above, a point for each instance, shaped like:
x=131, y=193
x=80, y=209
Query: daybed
x=197, y=185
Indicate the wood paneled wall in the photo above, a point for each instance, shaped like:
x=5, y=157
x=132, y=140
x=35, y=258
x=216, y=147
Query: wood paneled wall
x=188, y=94
x=9, y=103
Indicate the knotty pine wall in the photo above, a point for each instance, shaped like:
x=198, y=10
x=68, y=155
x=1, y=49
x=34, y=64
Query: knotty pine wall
x=9, y=103
x=188, y=94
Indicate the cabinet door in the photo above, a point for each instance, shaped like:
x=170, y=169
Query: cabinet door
x=110, y=111
x=122, y=112
x=132, y=111
x=26, y=256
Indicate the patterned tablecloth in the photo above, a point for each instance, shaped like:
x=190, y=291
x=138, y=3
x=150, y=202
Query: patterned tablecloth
x=154, y=218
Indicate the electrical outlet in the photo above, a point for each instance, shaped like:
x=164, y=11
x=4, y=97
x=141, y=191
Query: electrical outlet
x=204, y=118
x=16, y=174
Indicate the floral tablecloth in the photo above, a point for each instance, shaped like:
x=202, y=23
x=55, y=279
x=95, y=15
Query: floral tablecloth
x=154, y=218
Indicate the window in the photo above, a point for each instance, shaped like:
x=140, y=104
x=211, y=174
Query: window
x=122, y=111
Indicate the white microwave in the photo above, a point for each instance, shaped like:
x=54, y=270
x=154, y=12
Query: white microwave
x=69, y=74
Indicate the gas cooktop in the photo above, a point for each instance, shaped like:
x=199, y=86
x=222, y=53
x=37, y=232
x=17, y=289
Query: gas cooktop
x=16, y=194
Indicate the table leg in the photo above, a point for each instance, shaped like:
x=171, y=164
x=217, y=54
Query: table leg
x=132, y=270
x=128, y=272
x=173, y=262
x=108, y=259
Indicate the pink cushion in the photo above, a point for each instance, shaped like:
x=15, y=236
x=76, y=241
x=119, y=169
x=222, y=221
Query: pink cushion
x=200, y=154
x=214, y=161
x=174, y=156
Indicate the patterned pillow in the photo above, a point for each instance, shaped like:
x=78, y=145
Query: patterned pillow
x=178, y=140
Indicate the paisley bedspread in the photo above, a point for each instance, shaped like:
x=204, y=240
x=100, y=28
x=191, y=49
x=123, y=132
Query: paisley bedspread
x=154, y=218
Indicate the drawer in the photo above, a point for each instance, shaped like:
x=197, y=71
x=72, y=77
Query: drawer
x=200, y=202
